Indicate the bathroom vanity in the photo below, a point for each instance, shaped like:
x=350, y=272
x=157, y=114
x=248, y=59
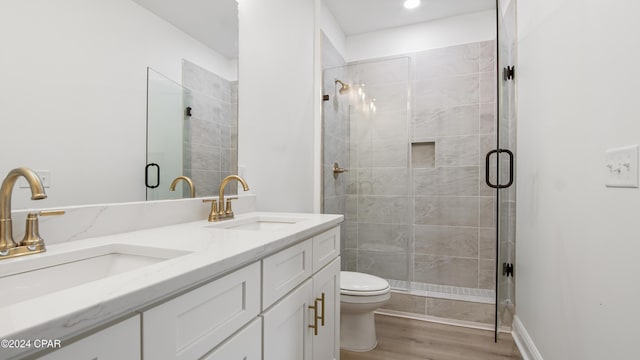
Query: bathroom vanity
x=261, y=286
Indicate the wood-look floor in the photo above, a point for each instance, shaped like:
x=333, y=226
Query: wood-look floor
x=405, y=339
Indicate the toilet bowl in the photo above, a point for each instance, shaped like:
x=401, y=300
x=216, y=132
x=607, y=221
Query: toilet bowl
x=360, y=295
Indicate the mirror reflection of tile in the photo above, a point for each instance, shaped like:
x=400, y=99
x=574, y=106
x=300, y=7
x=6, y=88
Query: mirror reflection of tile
x=211, y=150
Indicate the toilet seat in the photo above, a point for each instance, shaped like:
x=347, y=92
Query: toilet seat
x=367, y=299
x=359, y=284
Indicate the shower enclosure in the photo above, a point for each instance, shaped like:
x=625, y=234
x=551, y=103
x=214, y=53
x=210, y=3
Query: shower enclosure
x=425, y=194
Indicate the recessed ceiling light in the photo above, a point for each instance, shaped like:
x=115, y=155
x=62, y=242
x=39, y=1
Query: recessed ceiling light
x=411, y=4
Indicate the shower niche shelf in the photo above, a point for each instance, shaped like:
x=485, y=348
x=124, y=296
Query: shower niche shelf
x=423, y=154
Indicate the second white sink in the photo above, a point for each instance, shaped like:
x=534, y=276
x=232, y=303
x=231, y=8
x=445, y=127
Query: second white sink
x=258, y=223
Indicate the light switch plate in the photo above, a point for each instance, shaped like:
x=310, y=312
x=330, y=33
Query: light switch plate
x=621, y=167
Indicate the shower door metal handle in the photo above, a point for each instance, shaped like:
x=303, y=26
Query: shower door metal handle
x=146, y=175
x=508, y=152
x=486, y=169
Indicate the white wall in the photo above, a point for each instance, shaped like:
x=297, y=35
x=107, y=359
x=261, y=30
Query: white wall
x=329, y=25
x=276, y=111
x=73, y=93
x=577, y=241
x=451, y=31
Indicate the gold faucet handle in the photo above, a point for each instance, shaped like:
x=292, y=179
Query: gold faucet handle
x=213, y=214
x=32, y=237
x=228, y=209
x=213, y=201
x=51, y=212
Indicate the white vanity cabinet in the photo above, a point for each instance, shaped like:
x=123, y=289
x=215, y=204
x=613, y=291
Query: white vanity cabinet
x=283, y=307
x=304, y=324
x=119, y=341
x=280, y=296
x=193, y=324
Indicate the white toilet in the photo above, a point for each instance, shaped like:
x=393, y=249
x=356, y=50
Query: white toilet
x=360, y=295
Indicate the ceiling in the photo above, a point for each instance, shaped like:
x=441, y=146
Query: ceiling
x=215, y=22
x=362, y=16
x=212, y=22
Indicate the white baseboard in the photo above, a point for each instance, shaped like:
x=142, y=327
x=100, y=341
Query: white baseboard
x=523, y=341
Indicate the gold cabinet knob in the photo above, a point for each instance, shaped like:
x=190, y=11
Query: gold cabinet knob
x=322, y=300
x=314, y=307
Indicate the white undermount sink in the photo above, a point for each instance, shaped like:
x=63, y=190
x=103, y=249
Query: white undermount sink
x=38, y=275
x=258, y=223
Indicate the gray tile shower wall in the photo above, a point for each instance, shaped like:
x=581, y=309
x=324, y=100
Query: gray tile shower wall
x=443, y=102
x=413, y=131
x=210, y=146
x=454, y=102
x=378, y=204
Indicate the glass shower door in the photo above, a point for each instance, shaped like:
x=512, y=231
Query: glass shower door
x=412, y=132
x=165, y=127
x=505, y=294
x=366, y=131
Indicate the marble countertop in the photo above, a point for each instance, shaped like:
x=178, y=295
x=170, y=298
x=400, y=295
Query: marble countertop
x=213, y=252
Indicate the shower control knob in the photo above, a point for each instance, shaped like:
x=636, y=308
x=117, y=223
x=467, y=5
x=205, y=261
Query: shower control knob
x=338, y=170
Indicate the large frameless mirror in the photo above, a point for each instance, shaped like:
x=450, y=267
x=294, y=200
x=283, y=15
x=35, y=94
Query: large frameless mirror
x=73, y=89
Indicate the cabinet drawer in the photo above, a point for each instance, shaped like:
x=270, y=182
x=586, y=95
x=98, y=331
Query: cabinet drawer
x=120, y=341
x=245, y=345
x=190, y=325
x=285, y=270
x=326, y=247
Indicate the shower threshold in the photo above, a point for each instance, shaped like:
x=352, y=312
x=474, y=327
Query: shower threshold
x=485, y=296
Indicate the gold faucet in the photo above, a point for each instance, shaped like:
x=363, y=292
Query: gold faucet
x=218, y=210
x=32, y=243
x=192, y=187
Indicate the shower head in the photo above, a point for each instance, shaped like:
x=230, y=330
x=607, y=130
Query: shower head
x=344, y=88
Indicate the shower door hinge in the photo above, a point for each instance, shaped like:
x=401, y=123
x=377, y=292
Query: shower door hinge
x=507, y=269
x=509, y=72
